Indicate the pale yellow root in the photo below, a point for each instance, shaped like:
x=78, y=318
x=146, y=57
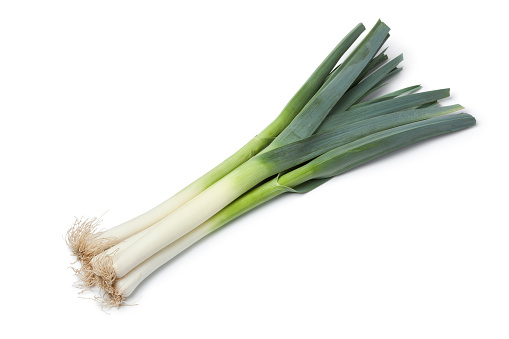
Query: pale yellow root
x=113, y=298
x=105, y=278
x=80, y=237
x=84, y=244
x=96, y=266
x=85, y=275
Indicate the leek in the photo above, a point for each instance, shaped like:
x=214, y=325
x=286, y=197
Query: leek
x=290, y=148
x=327, y=128
x=85, y=241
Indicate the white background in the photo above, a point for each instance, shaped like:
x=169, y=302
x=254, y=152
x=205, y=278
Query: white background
x=116, y=105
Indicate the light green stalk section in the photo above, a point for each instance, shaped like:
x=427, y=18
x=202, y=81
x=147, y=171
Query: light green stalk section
x=254, y=146
x=301, y=180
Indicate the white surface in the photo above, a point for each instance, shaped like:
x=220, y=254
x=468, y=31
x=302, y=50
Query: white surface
x=115, y=105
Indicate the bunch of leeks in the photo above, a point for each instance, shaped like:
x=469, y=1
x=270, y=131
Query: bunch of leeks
x=327, y=128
